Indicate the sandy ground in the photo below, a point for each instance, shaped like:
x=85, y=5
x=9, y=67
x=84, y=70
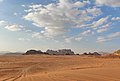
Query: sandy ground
x=59, y=68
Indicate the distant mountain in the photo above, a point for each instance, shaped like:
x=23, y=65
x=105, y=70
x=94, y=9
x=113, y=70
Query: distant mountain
x=34, y=52
x=13, y=53
x=50, y=52
x=60, y=52
x=91, y=54
x=3, y=52
x=104, y=53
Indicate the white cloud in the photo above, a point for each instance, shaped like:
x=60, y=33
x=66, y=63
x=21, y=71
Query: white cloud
x=116, y=18
x=23, y=5
x=94, y=11
x=109, y=37
x=102, y=39
x=2, y=23
x=78, y=38
x=57, y=18
x=69, y=39
x=79, y=4
x=112, y=3
x=27, y=30
x=23, y=39
x=117, y=34
x=104, y=28
x=100, y=22
x=15, y=14
x=87, y=32
x=35, y=6
x=10, y=26
x=37, y=35
x=14, y=27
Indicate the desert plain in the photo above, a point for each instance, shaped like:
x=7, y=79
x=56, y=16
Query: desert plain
x=58, y=68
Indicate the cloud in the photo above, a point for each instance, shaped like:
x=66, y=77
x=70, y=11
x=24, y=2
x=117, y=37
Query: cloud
x=11, y=27
x=103, y=39
x=56, y=19
x=100, y=22
x=15, y=14
x=116, y=34
x=109, y=37
x=69, y=39
x=94, y=11
x=14, y=27
x=86, y=33
x=2, y=23
x=23, y=39
x=78, y=38
x=37, y=35
x=23, y=5
x=104, y=28
x=112, y=3
x=116, y=18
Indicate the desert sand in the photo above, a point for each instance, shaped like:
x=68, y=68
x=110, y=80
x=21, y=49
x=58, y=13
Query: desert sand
x=59, y=68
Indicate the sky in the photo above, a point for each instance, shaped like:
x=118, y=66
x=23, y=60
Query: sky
x=80, y=25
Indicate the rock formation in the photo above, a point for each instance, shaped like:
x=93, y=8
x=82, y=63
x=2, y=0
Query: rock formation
x=92, y=54
x=51, y=52
x=66, y=52
x=31, y=52
x=61, y=52
x=117, y=53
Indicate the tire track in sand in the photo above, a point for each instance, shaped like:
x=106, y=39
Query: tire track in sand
x=21, y=74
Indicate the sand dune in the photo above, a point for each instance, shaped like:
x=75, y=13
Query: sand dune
x=58, y=68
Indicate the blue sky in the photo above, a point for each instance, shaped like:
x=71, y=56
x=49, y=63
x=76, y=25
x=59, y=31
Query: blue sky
x=82, y=25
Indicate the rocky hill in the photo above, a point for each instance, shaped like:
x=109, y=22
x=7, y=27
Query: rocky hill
x=51, y=52
x=31, y=52
x=61, y=52
x=117, y=52
x=92, y=54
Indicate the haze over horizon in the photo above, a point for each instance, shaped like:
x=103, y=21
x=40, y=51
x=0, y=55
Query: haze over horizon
x=81, y=25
